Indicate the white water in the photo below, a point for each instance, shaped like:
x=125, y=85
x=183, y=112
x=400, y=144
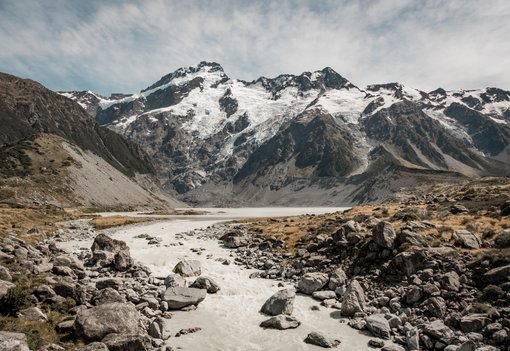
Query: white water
x=230, y=319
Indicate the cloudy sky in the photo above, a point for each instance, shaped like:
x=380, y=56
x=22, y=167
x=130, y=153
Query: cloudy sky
x=124, y=46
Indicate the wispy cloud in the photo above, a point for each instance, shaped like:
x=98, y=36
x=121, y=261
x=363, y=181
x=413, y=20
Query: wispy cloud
x=126, y=45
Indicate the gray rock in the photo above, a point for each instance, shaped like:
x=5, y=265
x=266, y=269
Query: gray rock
x=467, y=346
x=435, y=306
x=95, y=346
x=376, y=343
x=501, y=241
x=51, y=347
x=457, y=209
x=353, y=300
x=281, y=322
x=324, y=295
x=411, y=261
x=180, y=297
x=44, y=292
x=125, y=342
x=413, y=340
x=413, y=295
x=282, y=302
x=206, y=283
x=317, y=339
x=122, y=261
x=378, y=325
x=105, y=248
x=5, y=275
x=338, y=278
x=188, y=268
x=95, y=323
x=393, y=347
x=437, y=330
x=108, y=295
x=450, y=281
x=384, y=235
x=497, y=275
x=473, y=322
x=175, y=280
x=32, y=314
x=159, y=329
x=13, y=341
x=4, y=287
x=114, y=283
x=311, y=282
x=466, y=239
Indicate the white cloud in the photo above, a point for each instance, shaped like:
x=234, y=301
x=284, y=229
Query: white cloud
x=125, y=46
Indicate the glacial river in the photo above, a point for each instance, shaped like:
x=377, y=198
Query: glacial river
x=230, y=318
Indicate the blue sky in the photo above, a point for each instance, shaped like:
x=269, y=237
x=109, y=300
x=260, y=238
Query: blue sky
x=124, y=46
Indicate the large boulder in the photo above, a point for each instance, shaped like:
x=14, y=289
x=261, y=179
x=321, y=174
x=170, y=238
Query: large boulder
x=353, y=300
x=311, y=282
x=188, y=268
x=111, y=251
x=234, y=239
x=95, y=323
x=206, y=283
x=466, y=239
x=180, y=297
x=282, y=302
x=281, y=322
x=13, y=341
x=337, y=279
x=384, y=235
x=378, y=325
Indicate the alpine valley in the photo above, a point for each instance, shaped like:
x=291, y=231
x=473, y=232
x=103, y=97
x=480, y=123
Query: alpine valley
x=214, y=140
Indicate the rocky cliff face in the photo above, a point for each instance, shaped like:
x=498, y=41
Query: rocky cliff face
x=206, y=131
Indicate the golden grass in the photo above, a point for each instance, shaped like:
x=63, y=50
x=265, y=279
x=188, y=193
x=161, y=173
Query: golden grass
x=23, y=219
x=117, y=221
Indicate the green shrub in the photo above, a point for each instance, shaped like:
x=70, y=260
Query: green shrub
x=15, y=300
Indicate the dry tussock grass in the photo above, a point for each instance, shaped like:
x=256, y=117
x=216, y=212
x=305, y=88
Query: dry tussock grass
x=117, y=221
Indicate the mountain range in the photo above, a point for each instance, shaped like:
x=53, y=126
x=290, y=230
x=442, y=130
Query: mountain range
x=312, y=138
x=308, y=139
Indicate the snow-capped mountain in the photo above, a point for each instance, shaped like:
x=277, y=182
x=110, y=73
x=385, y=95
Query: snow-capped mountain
x=217, y=139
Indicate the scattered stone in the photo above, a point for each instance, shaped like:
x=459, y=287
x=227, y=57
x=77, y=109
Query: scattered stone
x=497, y=275
x=159, y=329
x=5, y=275
x=376, y=343
x=317, y=339
x=281, y=322
x=450, y=281
x=282, y=302
x=338, y=278
x=501, y=241
x=474, y=322
x=458, y=209
x=4, y=287
x=438, y=330
x=324, y=295
x=187, y=331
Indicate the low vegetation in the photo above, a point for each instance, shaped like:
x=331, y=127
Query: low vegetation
x=100, y=223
